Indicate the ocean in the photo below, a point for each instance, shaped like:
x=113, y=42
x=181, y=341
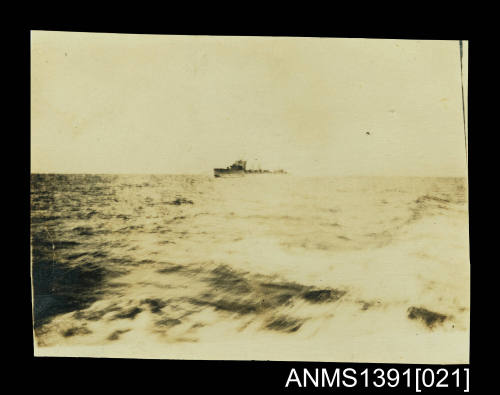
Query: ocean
x=265, y=267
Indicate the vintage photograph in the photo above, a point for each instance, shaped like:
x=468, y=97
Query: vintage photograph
x=249, y=198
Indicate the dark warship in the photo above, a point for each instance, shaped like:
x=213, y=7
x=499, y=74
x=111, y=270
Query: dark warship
x=239, y=168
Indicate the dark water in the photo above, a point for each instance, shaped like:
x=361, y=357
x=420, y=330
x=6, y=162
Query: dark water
x=170, y=256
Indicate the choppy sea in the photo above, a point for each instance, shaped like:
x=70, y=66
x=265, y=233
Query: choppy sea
x=259, y=267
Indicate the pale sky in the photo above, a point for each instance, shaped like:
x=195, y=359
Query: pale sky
x=116, y=103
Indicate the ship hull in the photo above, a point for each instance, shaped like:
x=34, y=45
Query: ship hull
x=228, y=173
x=241, y=174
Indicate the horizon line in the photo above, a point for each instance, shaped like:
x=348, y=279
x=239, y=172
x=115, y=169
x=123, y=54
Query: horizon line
x=207, y=173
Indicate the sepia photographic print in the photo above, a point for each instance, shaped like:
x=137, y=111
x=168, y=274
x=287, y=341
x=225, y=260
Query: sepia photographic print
x=249, y=198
